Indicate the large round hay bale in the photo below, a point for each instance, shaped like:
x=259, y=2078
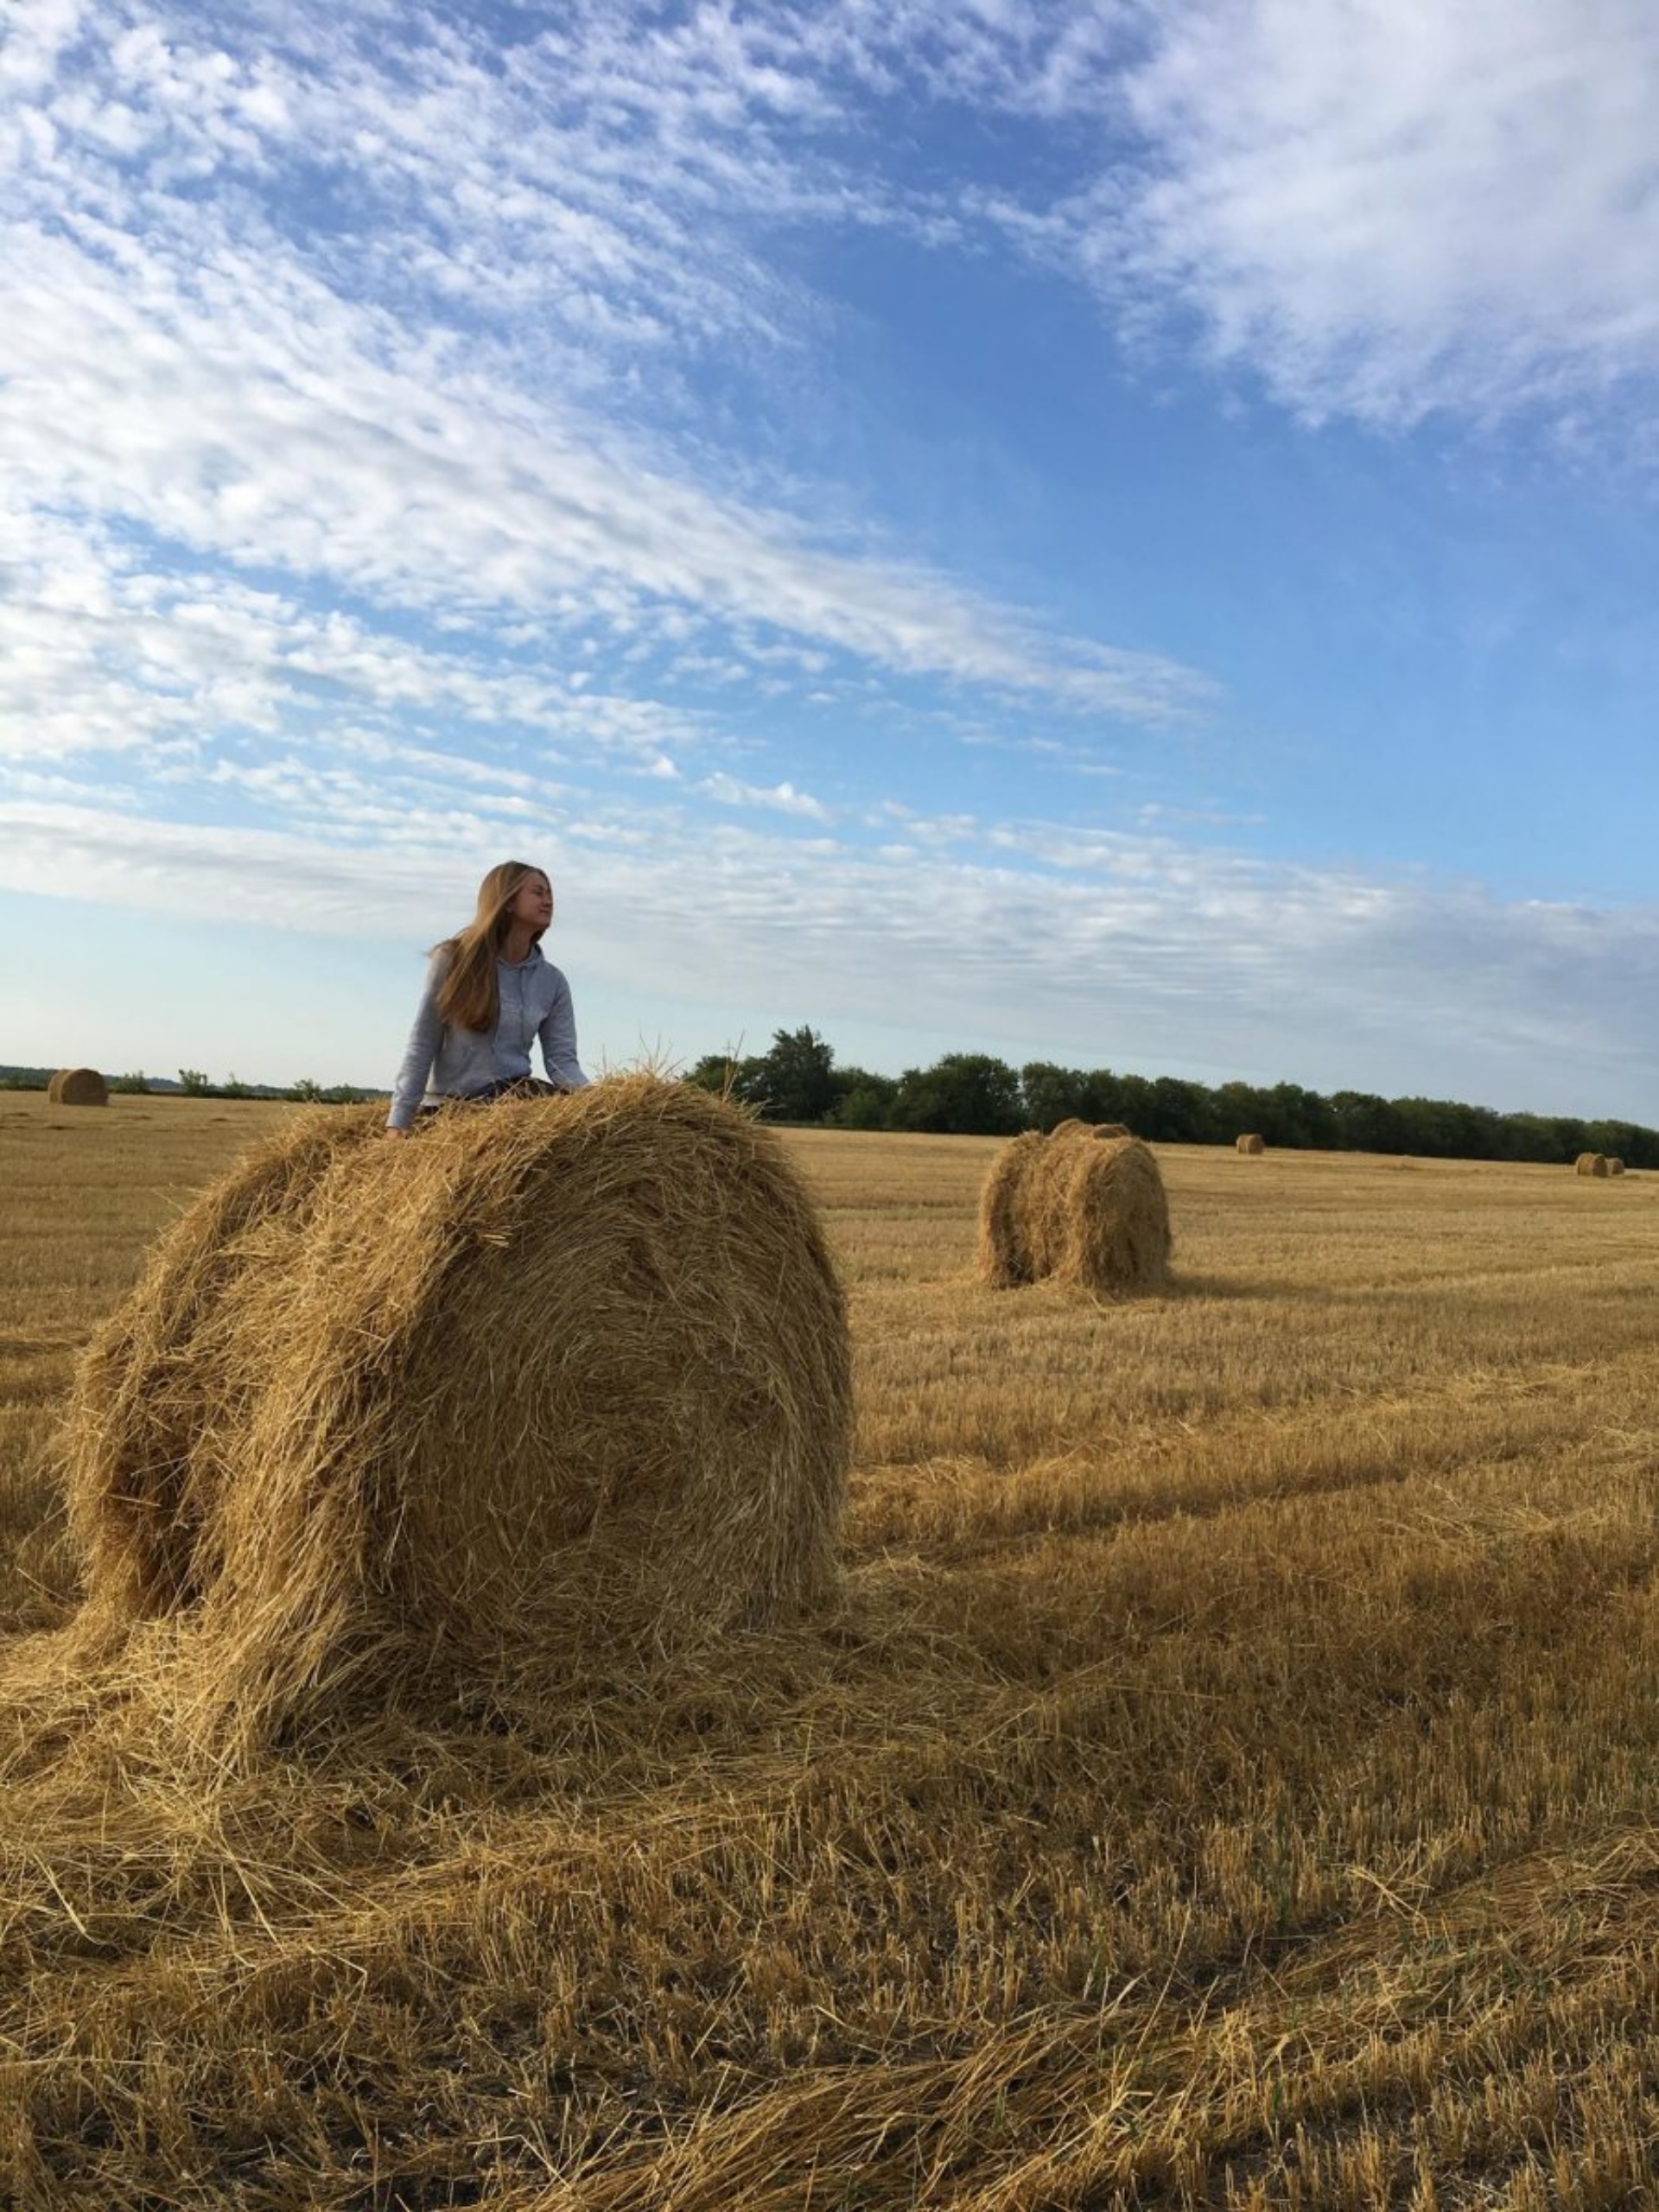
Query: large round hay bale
x=78, y=1087
x=556, y=1383
x=1251, y=1146
x=1615, y=1165
x=1590, y=1163
x=1056, y=1210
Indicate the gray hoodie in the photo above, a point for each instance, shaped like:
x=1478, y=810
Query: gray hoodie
x=445, y=1063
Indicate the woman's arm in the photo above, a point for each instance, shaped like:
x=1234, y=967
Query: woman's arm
x=421, y=1051
x=559, y=1036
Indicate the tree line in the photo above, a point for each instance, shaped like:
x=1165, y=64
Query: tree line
x=973, y=1094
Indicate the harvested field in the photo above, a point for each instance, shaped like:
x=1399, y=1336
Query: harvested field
x=1230, y=1776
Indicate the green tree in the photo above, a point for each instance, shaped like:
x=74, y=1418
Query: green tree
x=797, y=1077
x=965, y=1094
x=727, y=1074
x=195, y=1081
x=1108, y=1096
x=132, y=1085
x=1295, y=1116
x=863, y=1101
x=1181, y=1112
x=1365, y=1123
x=1050, y=1095
x=308, y=1090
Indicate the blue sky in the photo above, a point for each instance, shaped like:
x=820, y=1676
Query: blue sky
x=1120, y=532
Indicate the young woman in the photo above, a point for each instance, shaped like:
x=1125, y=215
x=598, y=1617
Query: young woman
x=489, y=995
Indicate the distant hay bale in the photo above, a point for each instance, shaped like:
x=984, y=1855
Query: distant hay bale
x=1591, y=1163
x=1055, y=1210
x=1112, y=1129
x=1615, y=1165
x=553, y=1384
x=1073, y=1127
x=78, y=1087
x=1251, y=1146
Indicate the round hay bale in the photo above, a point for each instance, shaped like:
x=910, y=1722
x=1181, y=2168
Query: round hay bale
x=1093, y=1215
x=1615, y=1165
x=1071, y=1127
x=78, y=1087
x=1113, y=1129
x=1590, y=1163
x=556, y=1383
x=1252, y=1147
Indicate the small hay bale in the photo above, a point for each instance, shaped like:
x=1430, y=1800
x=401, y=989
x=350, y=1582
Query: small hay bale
x=1590, y=1163
x=1252, y=1147
x=556, y=1383
x=1075, y=1128
x=1615, y=1165
x=1091, y=1215
x=1113, y=1129
x=1071, y=1127
x=78, y=1087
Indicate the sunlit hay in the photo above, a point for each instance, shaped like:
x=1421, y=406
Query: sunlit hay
x=1004, y=1258
x=1071, y=1127
x=551, y=1384
x=1615, y=1165
x=1251, y=1146
x=1057, y=1209
x=78, y=1087
x=1591, y=1163
x=157, y=1395
x=1112, y=1129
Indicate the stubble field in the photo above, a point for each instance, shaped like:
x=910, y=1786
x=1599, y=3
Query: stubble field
x=1229, y=1780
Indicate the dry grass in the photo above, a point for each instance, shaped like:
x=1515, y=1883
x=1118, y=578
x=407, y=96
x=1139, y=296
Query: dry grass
x=1230, y=1778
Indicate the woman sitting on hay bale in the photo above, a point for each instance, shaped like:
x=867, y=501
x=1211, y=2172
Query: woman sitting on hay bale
x=489, y=995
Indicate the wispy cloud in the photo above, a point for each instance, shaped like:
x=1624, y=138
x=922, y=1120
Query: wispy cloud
x=392, y=443
x=783, y=799
x=1384, y=207
x=237, y=321
x=1027, y=939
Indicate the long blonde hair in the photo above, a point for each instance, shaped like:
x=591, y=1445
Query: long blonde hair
x=469, y=997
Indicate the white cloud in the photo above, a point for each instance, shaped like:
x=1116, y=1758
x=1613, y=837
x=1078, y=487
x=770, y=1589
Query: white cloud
x=349, y=420
x=1382, y=208
x=207, y=365
x=783, y=797
x=1129, y=951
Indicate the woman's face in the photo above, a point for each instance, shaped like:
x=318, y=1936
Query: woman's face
x=533, y=902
